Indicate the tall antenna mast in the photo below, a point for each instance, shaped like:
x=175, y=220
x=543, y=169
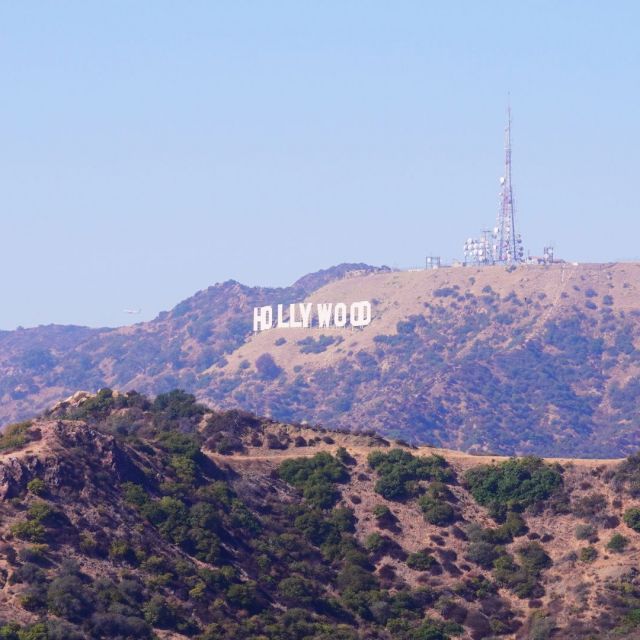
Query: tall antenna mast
x=507, y=246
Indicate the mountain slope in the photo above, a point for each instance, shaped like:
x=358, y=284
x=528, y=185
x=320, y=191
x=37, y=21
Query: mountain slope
x=534, y=359
x=42, y=365
x=123, y=518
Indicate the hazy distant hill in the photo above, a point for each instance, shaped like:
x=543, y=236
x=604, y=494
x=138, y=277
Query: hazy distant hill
x=41, y=365
x=533, y=359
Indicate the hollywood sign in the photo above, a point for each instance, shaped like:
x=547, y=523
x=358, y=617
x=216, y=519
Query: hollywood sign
x=303, y=315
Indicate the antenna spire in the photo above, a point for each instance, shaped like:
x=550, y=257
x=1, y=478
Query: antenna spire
x=507, y=248
x=502, y=245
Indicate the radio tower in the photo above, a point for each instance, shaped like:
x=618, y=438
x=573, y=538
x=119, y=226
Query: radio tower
x=507, y=247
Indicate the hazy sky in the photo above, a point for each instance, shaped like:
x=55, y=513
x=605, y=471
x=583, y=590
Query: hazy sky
x=150, y=149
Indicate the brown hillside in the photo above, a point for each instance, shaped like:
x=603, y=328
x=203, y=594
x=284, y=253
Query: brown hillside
x=95, y=499
x=534, y=359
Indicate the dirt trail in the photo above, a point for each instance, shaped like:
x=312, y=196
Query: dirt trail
x=464, y=459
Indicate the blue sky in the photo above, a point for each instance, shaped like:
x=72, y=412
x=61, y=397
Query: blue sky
x=150, y=149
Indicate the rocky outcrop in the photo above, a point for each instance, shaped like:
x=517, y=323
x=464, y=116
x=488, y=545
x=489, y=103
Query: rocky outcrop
x=66, y=455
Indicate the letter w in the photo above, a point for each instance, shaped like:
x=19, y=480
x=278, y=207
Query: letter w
x=324, y=314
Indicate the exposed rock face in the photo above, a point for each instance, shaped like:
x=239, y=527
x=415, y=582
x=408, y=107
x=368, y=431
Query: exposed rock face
x=51, y=457
x=15, y=473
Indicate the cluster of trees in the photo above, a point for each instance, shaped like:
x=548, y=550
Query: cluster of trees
x=330, y=529
x=621, y=608
x=316, y=477
x=399, y=473
x=312, y=345
x=227, y=558
x=513, y=485
x=223, y=431
x=487, y=549
x=80, y=604
x=627, y=475
x=435, y=506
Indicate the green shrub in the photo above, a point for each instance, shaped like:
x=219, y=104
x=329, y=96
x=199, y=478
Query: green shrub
x=421, y=561
x=482, y=553
x=117, y=625
x=342, y=519
x=177, y=404
x=585, y=532
x=15, y=436
x=588, y=554
x=435, y=630
x=344, y=456
x=185, y=469
x=33, y=553
x=514, y=484
x=120, y=550
x=375, y=543
x=434, y=506
x=399, y=472
x=353, y=577
x=628, y=472
x=245, y=596
x=618, y=543
x=631, y=518
x=29, y=530
x=88, y=544
x=590, y=506
x=134, y=494
x=298, y=592
x=383, y=514
x=38, y=631
x=40, y=511
x=533, y=557
x=316, y=477
x=181, y=444
x=310, y=345
x=514, y=526
x=267, y=368
x=540, y=626
x=158, y=613
x=314, y=526
x=242, y=518
x=514, y=577
x=435, y=512
x=36, y=486
x=68, y=597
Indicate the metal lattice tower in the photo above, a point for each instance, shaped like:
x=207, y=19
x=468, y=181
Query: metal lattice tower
x=507, y=247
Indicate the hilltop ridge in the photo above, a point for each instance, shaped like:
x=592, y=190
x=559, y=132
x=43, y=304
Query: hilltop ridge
x=126, y=517
x=529, y=359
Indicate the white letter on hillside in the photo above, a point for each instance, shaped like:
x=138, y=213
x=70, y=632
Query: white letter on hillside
x=295, y=324
x=340, y=315
x=324, y=314
x=305, y=312
x=360, y=314
x=262, y=318
x=281, y=323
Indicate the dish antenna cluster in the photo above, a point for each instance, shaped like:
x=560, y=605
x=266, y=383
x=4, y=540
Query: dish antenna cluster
x=479, y=250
